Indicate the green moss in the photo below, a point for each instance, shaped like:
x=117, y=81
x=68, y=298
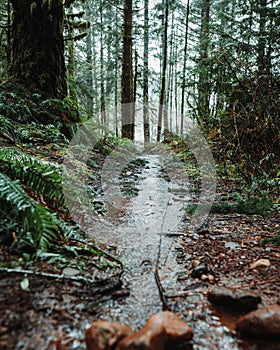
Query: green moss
x=273, y=240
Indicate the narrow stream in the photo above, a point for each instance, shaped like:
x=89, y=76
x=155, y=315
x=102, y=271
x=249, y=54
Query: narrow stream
x=143, y=230
x=143, y=238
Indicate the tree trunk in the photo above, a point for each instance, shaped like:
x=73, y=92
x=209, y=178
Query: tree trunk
x=37, y=55
x=127, y=75
x=102, y=82
x=71, y=59
x=163, y=75
x=116, y=76
x=182, y=111
x=203, y=83
x=89, y=62
x=146, y=74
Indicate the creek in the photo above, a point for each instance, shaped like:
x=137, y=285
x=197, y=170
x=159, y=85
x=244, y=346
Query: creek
x=142, y=231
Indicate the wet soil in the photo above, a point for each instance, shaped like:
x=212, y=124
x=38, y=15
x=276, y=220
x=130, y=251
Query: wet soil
x=147, y=233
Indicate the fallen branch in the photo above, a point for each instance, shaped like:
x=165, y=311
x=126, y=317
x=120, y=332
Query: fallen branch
x=73, y=278
x=186, y=293
x=165, y=306
x=58, y=276
x=102, y=251
x=252, y=284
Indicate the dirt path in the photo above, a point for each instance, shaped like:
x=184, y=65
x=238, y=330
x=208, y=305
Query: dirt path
x=144, y=232
x=143, y=239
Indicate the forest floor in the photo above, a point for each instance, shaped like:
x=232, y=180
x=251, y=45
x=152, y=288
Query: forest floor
x=53, y=314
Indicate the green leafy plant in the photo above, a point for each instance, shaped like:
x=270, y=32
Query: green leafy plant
x=41, y=177
x=31, y=224
x=250, y=205
x=273, y=240
x=27, y=224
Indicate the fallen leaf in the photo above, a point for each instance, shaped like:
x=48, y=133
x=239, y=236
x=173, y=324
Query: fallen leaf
x=260, y=263
x=24, y=284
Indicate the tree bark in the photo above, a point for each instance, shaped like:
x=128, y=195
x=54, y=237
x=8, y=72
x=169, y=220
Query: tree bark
x=184, y=69
x=203, y=83
x=163, y=75
x=146, y=74
x=37, y=53
x=102, y=80
x=127, y=75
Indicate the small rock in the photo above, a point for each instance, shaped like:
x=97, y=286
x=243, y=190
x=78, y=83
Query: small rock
x=260, y=263
x=207, y=278
x=232, y=245
x=262, y=323
x=161, y=329
x=195, y=263
x=211, y=278
x=70, y=271
x=104, y=335
x=204, y=277
x=244, y=300
x=148, y=338
x=199, y=270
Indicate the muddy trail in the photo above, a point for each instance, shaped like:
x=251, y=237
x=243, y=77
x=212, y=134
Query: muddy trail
x=160, y=252
x=146, y=237
x=143, y=237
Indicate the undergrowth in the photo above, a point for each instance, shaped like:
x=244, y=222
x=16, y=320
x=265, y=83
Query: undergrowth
x=272, y=240
x=33, y=213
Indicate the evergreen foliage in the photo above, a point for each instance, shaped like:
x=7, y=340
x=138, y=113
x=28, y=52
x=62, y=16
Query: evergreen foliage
x=23, y=220
x=39, y=176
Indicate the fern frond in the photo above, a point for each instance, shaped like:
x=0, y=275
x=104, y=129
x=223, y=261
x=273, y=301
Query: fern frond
x=7, y=125
x=12, y=192
x=36, y=226
x=43, y=177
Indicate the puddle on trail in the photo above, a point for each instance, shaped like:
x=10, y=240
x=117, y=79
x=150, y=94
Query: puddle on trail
x=143, y=231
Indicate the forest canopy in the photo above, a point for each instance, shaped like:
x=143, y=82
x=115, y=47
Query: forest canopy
x=212, y=61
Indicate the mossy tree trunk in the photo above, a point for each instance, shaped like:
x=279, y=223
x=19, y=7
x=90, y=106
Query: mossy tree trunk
x=37, y=52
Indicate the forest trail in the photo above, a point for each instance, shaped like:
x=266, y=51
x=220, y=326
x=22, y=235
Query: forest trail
x=143, y=239
x=149, y=232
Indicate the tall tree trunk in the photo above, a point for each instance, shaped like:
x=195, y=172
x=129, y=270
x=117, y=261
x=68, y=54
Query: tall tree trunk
x=146, y=74
x=262, y=36
x=89, y=77
x=71, y=58
x=167, y=121
x=135, y=78
x=116, y=77
x=203, y=83
x=263, y=63
x=128, y=122
x=102, y=78
x=37, y=55
x=163, y=75
x=182, y=111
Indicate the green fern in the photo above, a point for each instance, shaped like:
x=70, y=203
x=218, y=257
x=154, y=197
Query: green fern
x=42, y=177
x=12, y=192
x=34, y=225
x=8, y=126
